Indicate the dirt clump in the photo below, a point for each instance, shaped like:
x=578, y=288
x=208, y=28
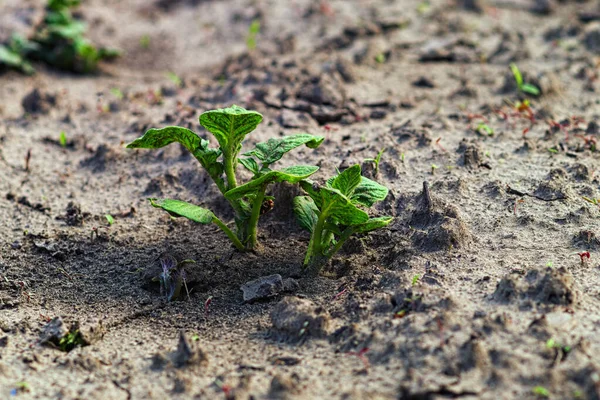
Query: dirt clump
x=294, y=318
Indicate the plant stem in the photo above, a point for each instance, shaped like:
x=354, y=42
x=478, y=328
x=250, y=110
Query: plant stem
x=253, y=222
x=345, y=236
x=229, y=163
x=229, y=233
x=315, y=252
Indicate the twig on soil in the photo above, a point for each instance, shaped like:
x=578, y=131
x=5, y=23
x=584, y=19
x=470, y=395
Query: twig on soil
x=361, y=354
x=65, y=273
x=27, y=159
x=515, y=206
x=206, y=305
x=583, y=256
x=339, y=294
x=23, y=291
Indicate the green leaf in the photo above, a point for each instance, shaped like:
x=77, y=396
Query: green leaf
x=517, y=74
x=347, y=181
x=13, y=59
x=178, y=208
x=368, y=192
x=306, y=211
x=373, y=224
x=338, y=206
x=157, y=138
x=272, y=150
x=291, y=174
x=250, y=164
x=530, y=89
x=230, y=126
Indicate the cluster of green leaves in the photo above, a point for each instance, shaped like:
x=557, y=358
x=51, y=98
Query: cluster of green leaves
x=230, y=126
x=333, y=213
x=71, y=340
x=58, y=41
x=527, y=88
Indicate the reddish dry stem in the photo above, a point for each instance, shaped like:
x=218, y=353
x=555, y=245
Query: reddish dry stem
x=206, y=305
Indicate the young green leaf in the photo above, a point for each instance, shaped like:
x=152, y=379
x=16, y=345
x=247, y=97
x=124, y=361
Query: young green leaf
x=13, y=59
x=272, y=150
x=306, y=211
x=178, y=208
x=517, y=74
x=373, y=224
x=368, y=192
x=530, y=89
x=291, y=174
x=230, y=126
x=110, y=219
x=157, y=138
x=347, y=181
x=250, y=164
x=339, y=207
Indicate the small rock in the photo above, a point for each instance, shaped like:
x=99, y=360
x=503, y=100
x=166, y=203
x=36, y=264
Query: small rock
x=53, y=331
x=267, y=286
x=543, y=7
x=424, y=82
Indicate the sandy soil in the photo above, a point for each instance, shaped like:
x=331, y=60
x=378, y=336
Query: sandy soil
x=503, y=306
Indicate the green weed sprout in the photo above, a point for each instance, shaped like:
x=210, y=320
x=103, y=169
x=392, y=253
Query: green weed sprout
x=230, y=126
x=253, y=32
x=332, y=213
x=376, y=160
x=522, y=86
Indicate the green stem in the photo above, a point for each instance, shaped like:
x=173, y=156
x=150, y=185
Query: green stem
x=315, y=251
x=229, y=163
x=229, y=233
x=253, y=222
x=345, y=236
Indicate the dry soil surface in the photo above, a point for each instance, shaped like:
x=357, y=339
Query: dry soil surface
x=476, y=291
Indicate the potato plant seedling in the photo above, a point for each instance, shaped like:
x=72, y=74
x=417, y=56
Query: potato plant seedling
x=59, y=40
x=230, y=126
x=527, y=88
x=332, y=213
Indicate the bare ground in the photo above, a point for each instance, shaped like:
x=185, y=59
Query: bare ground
x=503, y=307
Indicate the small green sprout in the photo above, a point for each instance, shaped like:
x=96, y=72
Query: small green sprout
x=553, y=150
x=62, y=140
x=415, y=279
x=541, y=391
x=71, y=340
x=109, y=219
x=117, y=93
x=332, y=215
x=145, y=42
x=380, y=58
x=230, y=126
x=522, y=86
x=402, y=158
x=423, y=7
x=593, y=201
x=484, y=128
x=173, y=77
x=549, y=264
x=253, y=31
x=376, y=160
x=433, y=168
